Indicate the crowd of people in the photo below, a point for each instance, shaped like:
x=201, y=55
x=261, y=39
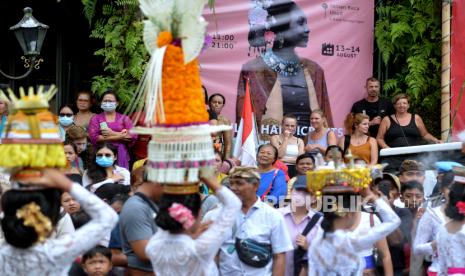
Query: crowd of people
x=108, y=218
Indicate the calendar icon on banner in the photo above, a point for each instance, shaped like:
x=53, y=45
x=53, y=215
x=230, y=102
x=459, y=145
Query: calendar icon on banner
x=327, y=49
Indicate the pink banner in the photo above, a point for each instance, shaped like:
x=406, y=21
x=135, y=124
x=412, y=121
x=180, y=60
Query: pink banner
x=297, y=56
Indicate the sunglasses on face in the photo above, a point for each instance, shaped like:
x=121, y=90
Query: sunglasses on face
x=66, y=115
x=106, y=155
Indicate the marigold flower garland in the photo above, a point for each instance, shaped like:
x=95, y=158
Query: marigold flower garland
x=182, y=89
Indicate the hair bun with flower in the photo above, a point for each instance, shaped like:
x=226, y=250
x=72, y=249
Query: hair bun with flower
x=460, y=207
x=33, y=217
x=182, y=214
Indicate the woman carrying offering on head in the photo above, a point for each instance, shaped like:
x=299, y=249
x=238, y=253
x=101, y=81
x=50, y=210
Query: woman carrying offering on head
x=188, y=253
x=30, y=217
x=338, y=219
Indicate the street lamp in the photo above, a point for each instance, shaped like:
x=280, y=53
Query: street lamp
x=30, y=34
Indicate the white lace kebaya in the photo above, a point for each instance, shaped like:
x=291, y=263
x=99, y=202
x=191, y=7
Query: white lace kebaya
x=179, y=254
x=427, y=231
x=451, y=252
x=337, y=253
x=55, y=256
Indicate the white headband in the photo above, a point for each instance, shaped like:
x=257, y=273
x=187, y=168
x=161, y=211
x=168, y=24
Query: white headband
x=459, y=178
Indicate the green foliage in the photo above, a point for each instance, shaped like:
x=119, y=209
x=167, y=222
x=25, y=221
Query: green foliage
x=89, y=9
x=118, y=25
x=408, y=36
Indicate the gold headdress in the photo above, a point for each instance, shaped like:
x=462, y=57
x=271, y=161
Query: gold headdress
x=333, y=179
x=31, y=138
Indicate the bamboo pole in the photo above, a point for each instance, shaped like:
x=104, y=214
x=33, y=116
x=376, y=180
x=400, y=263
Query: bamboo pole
x=445, y=71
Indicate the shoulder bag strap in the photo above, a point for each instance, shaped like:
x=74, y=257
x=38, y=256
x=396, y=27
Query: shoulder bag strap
x=346, y=143
x=269, y=186
x=148, y=201
x=315, y=218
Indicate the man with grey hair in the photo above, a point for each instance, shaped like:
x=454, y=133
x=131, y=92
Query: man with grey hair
x=259, y=225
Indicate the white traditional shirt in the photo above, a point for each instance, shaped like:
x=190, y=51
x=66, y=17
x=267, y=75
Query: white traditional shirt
x=55, y=256
x=427, y=230
x=337, y=253
x=179, y=254
x=263, y=224
x=451, y=251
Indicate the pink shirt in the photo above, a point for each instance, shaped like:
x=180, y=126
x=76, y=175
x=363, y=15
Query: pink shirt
x=294, y=230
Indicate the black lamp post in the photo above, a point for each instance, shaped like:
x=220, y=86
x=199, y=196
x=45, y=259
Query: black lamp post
x=30, y=34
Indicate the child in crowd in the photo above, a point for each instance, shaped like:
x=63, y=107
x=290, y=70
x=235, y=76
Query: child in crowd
x=97, y=261
x=398, y=239
x=412, y=195
x=72, y=167
x=334, y=153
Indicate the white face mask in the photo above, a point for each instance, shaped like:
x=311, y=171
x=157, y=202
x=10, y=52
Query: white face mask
x=65, y=121
x=109, y=106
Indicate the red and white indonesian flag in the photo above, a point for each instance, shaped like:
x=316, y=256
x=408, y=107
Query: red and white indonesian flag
x=246, y=139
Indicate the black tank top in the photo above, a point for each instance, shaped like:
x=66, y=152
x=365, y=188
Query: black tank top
x=395, y=138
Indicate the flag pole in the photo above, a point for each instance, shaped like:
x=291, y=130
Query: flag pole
x=247, y=85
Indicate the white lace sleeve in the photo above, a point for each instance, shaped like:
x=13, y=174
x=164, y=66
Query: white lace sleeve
x=210, y=241
x=424, y=235
x=390, y=222
x=441, y=252
x=103, y=219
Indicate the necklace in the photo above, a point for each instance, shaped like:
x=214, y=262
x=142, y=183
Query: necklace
x=281, y=66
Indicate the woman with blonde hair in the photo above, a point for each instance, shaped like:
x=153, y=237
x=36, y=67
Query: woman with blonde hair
x=289, y=146
x=358, y=140
x=321, y=136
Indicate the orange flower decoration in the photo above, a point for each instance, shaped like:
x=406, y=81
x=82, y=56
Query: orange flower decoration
x=164, y=38
x=183, y=98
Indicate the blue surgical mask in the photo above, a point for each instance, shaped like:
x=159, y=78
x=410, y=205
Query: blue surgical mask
x=65, y=121
x=104, y=161
x=109, y=106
